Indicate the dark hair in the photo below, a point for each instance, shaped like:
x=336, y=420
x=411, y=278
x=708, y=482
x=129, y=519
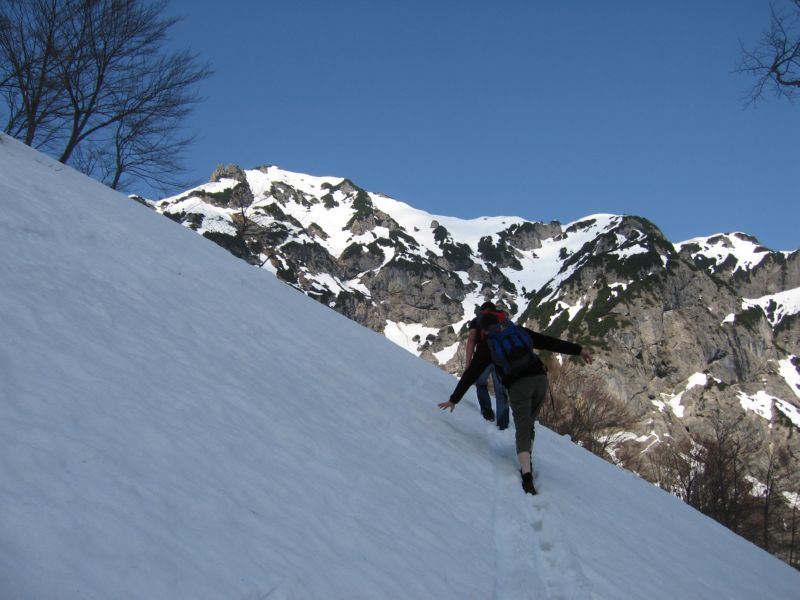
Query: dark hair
x=487, y=320
x=488, y=306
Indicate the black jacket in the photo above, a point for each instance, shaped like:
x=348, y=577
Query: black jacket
x=482, y=359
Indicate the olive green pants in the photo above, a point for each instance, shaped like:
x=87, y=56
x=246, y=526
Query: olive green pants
x=526, y=397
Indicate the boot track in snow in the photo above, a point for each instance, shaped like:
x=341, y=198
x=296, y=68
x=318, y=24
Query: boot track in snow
x=532, y=561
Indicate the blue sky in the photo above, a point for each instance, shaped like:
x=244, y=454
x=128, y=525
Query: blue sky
x=538, y=109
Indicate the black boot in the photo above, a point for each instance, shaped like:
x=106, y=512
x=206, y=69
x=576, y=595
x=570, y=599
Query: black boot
x=527, y=483
x=488, y=414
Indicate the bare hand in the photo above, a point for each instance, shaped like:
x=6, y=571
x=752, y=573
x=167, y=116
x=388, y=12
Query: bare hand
x=587, y=356
x=446, y=405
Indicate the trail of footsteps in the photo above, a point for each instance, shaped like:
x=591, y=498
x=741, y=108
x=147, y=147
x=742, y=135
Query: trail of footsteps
x=517, y=572
x=555, y=556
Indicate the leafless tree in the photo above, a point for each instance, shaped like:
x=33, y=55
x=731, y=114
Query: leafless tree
x=793, y=554
x=581, y=406
x=723, y=470
x=31, y=40
x=675, y=466
x=774, y=474
x=145, y=147
x=91, y=82
x=724, y=489
x=774, y=62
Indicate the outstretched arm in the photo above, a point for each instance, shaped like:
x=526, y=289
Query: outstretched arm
x=470, y=376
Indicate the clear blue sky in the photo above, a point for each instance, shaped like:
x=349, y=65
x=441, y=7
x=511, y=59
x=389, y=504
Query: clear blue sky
x=531, y=108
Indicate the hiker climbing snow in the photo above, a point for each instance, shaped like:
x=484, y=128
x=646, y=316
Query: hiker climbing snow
x=509, y=347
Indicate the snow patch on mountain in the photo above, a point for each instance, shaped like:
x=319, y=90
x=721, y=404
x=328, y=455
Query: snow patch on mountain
x=674, y=401
x=555, y=250
x=738, y=248
x=572, y=309
x=262, y=179
x=776, y=306
x=790, y=411
x=418, y=223
x=446, y=355
x=790, y=373
x=624, y=253
x=409, y=336
x=323, y=282
x=215, y=219
x=762, y=404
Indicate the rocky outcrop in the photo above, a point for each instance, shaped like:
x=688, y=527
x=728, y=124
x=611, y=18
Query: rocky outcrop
x=228, y=172
x=529, y=236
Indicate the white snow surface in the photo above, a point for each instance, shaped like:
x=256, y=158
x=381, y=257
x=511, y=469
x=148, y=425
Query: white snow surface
x=176, y=424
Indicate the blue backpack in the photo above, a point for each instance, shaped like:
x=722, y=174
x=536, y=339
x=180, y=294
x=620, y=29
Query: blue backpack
x=511, y=349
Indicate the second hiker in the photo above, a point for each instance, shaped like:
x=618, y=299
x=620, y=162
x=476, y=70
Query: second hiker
x=482, y=383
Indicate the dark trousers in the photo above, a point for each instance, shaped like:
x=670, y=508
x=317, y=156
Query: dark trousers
x=526, y=397
x=485, y=401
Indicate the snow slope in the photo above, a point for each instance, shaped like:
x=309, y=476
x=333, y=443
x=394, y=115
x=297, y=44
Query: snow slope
x=175, y=424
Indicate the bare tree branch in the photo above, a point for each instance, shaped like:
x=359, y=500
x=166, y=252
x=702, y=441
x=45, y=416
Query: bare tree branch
x=31, y=37
x=775, y=61
x=89, y=81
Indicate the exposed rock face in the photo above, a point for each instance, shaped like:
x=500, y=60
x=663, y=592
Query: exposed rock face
x=228, y=172
x=679, y=331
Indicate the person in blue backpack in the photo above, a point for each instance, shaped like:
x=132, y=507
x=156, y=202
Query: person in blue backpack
x=510, y=348
x=482, y=383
